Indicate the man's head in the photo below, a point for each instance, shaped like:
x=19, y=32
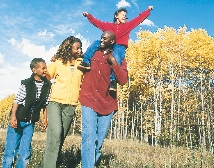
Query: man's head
x=38, y=67
x=120, y=16
x=107, y=40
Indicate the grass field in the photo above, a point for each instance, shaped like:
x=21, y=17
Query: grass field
x=120, y=154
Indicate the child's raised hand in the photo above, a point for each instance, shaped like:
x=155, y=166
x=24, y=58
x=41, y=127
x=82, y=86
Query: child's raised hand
x=150, y=7
x=85, y=14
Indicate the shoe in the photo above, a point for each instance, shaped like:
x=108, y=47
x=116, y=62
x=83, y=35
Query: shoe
x=84, y=65
x=113, y=85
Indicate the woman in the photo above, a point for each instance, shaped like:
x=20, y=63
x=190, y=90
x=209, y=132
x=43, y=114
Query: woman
x=64, y=96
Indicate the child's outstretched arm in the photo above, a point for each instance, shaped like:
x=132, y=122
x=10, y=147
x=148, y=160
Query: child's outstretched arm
x=140, y=18
x=99, y=24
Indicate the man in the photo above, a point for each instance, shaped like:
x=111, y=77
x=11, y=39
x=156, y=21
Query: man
x=98, y=104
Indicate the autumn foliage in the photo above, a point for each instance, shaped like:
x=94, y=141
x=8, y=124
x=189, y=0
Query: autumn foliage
x=5, y=107
x=171, y=87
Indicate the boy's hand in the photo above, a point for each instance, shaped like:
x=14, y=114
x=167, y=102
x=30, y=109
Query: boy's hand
x=85, y=14
x=150, y=7
x=13, y=121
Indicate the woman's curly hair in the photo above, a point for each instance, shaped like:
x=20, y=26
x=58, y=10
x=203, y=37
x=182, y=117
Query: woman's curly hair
x=64, y=50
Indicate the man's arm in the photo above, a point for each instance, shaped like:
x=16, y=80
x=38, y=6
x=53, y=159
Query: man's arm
x=120, y=72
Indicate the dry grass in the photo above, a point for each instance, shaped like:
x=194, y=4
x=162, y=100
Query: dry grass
x=120, y=153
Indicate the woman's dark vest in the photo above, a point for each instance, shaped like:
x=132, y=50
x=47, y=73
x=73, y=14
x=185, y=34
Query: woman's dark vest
x=33, y=106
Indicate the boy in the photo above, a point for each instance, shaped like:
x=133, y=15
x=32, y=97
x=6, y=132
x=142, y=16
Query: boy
x=122, y=29
x=31, y=98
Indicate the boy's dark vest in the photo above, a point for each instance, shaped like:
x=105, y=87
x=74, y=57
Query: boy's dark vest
x=27, y=113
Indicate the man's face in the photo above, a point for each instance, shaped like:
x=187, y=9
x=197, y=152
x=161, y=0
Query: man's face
x=106, y=41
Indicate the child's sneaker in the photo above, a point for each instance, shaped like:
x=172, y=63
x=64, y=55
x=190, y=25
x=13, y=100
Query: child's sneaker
x=113, y=85
x=84, y=65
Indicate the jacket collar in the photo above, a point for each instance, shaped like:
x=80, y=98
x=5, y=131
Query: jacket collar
x=32, y=79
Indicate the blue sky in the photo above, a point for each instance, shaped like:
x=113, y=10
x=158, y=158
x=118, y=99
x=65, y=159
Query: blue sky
x=31, y=29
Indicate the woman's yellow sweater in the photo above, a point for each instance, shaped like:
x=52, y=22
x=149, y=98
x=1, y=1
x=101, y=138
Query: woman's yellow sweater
x=65, y=83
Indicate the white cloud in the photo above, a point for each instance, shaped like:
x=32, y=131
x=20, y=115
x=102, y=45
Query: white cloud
x=47, y=34
x=32, y=50
x=147, y=22
x=6, y=92
x=12, y=76
x=12, y=41
x=88, y=2
x=1, y=58
x=72, y=31
x=123, y=3
x=7, y=70
x=63, y=29
x=135, y=4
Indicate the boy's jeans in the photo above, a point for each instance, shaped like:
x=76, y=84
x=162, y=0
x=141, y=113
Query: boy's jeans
x=59, y=122
x=94, y=130
x=119, y=52
x=18, y=140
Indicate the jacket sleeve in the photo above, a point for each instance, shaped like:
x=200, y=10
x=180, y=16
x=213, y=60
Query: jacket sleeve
x=99, y=24
x=51, y=69
x=21, y=94
x=121, y=72
x=137, y=20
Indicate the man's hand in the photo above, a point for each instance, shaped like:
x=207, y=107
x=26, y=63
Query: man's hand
x=85, y=14
x=150, y=7
x=111, y=59
x=13, y=121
